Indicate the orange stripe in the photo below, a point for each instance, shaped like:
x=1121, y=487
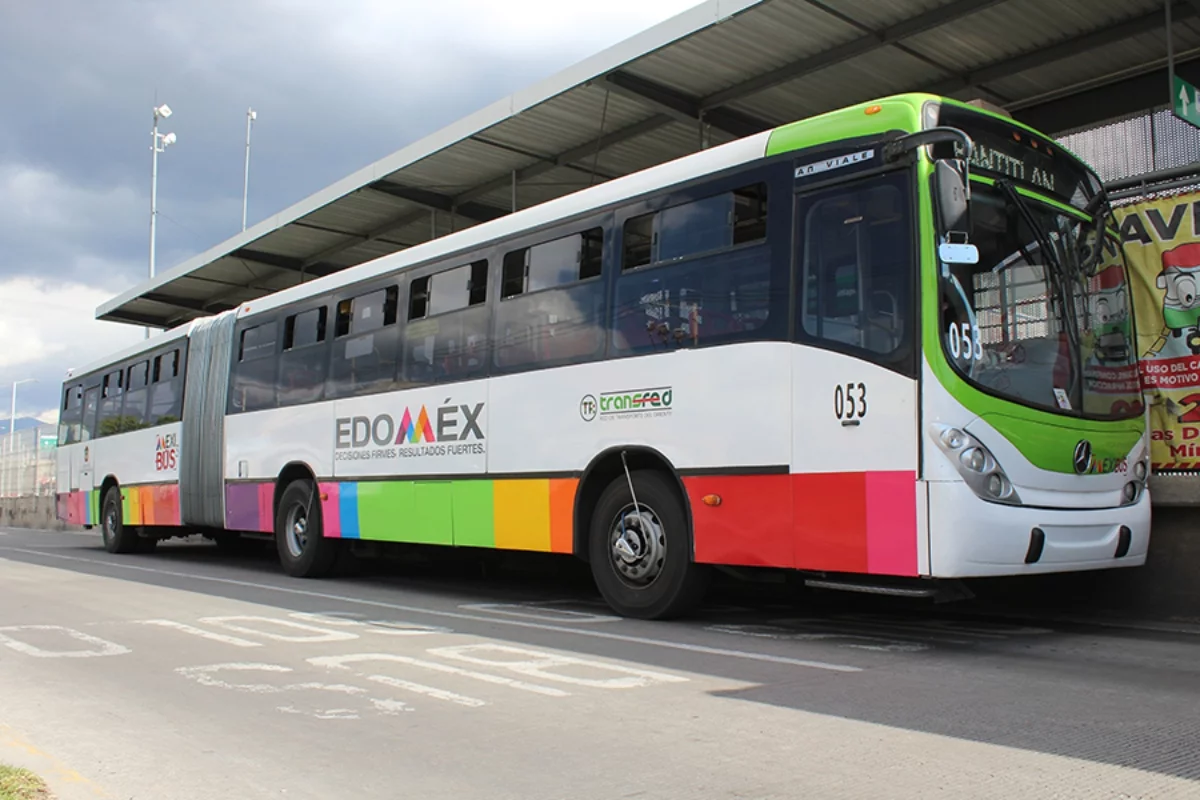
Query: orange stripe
x=562, y=515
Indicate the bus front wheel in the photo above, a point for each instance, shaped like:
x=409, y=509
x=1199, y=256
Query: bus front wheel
x=303, y=549
x=639, y=549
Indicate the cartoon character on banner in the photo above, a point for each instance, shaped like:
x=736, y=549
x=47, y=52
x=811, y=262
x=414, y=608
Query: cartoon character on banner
x=1180, y=280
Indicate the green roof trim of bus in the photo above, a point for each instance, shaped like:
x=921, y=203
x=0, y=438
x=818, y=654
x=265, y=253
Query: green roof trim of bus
x=1026, y=428
x=902, y=113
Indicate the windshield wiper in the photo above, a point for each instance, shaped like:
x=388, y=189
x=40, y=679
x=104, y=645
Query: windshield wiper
x=1058, y=277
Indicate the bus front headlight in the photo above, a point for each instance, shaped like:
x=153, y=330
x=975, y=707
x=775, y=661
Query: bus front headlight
x=976, y=464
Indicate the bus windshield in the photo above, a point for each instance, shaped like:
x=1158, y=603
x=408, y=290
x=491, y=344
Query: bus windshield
x=1044, y=317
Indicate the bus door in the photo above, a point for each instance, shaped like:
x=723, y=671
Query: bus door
x=83, y=457
x=854, y=386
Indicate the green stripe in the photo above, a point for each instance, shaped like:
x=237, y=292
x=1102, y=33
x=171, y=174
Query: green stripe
x=474, y=514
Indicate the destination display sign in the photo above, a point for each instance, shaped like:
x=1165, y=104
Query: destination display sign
x=1006, y=151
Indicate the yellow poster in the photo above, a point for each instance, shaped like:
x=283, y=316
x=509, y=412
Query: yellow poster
x=1161, y=240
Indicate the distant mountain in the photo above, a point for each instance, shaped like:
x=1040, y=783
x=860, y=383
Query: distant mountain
x=23, y=424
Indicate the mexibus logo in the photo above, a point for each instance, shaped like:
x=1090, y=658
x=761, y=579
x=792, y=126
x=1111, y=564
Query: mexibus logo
x=449, y=423
x=166, y=452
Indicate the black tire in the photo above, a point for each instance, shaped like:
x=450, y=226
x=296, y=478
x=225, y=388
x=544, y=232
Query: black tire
x=117, y=537
x=657, y=579
x=307, y=554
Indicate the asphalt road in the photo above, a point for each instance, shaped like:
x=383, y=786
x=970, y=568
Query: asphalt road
x=191, y=674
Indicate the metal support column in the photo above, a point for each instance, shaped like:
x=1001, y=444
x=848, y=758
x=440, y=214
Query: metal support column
x=1170, y=56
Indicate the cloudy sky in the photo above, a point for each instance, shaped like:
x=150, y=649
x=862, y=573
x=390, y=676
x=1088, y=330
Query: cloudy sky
x=336, y=86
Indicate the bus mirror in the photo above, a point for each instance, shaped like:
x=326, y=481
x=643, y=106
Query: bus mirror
x=951, y=253
x=950, y=182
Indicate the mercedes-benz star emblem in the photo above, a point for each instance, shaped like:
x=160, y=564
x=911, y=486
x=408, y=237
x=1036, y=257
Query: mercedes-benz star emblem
x=1083, y=456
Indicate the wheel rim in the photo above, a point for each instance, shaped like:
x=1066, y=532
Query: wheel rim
x=109, y=528
x=637, y=546
x=296, y=531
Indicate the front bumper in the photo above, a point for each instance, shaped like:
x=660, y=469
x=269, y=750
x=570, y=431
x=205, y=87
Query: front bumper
x=969, y=537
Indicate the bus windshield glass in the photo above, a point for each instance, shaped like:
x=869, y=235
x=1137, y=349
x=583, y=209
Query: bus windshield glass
x=1044, y=317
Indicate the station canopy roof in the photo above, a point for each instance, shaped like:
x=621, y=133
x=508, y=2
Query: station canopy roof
x=721, y=70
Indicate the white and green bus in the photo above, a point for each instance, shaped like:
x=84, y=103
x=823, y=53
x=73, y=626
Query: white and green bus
x=861, y=346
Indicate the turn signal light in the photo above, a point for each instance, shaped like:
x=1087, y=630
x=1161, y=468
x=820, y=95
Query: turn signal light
x=711, y=500
x=874, y=109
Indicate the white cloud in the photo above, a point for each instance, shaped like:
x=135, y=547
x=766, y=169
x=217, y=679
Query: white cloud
x=49, y=327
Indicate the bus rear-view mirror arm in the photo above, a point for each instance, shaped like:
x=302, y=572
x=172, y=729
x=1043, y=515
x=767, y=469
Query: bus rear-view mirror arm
x=952, y=185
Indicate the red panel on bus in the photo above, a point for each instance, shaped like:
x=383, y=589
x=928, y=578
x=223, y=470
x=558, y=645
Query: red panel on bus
x=752, y=527
x=831, y=521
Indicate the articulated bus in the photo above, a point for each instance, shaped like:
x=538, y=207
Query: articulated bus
x=870, y=347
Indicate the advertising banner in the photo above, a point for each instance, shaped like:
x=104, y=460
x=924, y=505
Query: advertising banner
x=1161, y=239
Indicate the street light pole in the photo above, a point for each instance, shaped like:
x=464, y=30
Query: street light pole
x=158, y=144
x=251, y=115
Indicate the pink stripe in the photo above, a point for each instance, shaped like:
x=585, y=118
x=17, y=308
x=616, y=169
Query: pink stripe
x=331, y=517
x=892, y=523
x=266, y=507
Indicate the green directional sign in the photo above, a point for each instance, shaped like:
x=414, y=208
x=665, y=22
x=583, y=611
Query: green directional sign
x=1186, y=101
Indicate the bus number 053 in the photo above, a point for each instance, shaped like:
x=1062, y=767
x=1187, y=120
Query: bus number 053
x=850, y=401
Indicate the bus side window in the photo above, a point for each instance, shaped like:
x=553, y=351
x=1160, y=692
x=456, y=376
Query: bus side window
x=253, y=385
x=365, y=343
x=111, y=391
x=166, y=390
x=856, y=283
x=70, y=418
x=305, y=360
x=551, y=311
x=698, y=274
x=446, y=338
x=137, y=395
x=91, y=406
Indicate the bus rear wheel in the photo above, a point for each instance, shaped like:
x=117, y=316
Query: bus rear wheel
x=639, y=552
x=303, y=549
x=118, y=538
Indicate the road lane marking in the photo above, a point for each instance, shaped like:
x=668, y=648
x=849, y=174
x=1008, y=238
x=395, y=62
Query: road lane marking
x=314, y=636
x=490, y=620
x=537, y=664
x=499, y=680
x=203, y=634
x=206, y=676
x=428, y=691
x=350, y=619
x=102, y=647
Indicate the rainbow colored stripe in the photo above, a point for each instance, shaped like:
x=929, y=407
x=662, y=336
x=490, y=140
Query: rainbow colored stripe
x=508, y=514
x=156, y=504
x=854, y=522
